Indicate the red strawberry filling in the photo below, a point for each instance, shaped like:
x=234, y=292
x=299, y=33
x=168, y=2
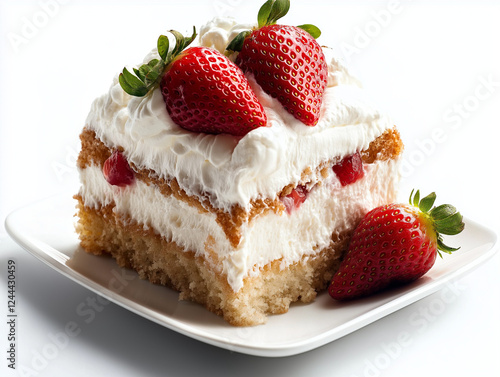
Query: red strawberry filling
x=117, y=171
x=349, y=169
x=293, y=200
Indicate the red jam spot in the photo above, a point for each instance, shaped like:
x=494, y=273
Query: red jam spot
x=117, y=171
x=349, y=169
x=293, y=200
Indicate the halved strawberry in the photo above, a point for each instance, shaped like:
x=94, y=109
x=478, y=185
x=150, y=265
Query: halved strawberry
x=395, y=244
x=286, y=61
x=203, y=90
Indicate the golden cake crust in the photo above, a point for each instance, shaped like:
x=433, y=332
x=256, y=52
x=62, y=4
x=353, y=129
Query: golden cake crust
x=198, y=278
x=94, y=152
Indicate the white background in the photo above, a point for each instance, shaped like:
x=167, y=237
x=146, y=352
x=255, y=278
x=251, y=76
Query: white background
x=435, y=67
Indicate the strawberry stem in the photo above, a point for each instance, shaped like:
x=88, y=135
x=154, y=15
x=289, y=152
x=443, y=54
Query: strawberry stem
x=148, y=76
x=272, y=11
x=426, y=203
x=311, y=29
x=269, y=13
x=237, y=43
x=445, y=218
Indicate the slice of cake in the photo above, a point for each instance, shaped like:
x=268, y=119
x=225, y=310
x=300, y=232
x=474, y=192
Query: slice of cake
x=200, y=177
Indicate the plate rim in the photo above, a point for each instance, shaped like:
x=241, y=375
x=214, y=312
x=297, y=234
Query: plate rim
x=33, y=247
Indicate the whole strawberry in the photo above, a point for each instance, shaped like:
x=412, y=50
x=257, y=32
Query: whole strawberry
x=286, y=61
x=395, y=244
x=203, y=90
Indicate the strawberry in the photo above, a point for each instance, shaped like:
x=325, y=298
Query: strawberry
x=394, y=244
x=117, y=171
x=293, y=200
x=349, y=169
x=286, y=61
x=203, y=90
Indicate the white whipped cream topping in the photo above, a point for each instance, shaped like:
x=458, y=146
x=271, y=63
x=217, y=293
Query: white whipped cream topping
x=329, y=209
x=231, y=169
x=220, y=31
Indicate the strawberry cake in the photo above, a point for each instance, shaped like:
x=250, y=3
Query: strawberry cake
x=233, y=166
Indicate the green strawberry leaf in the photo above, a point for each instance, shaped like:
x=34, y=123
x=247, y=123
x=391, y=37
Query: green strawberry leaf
x=311, y=29
x=278, y=10
x=445, y=218
x=445, y=248
x=442, y=211
x=450, y=225
x=415, y=199
x=188, y=40
x=163, y=46
x=237, y=43
x=149, y=75
x=264, y=12
x=426, y=203
x=179, y=42
x=154, y=72
x=140, y=74
x=132, y=84
x=271, y=11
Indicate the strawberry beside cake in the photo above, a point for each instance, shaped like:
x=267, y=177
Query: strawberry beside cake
x=233, y=166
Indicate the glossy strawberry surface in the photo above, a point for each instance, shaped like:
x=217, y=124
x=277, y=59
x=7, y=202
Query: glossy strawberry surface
x=349, y=169
x=117, y=171
x=205, y=92
x=289, y=65
x=394, y=244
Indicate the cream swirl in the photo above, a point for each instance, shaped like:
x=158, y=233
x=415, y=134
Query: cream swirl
x=232, y=170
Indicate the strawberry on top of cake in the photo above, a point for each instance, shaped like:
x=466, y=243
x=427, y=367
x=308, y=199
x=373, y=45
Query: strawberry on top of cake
x=235, y=174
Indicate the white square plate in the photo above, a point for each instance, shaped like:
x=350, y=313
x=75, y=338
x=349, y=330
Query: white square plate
x=46, y=230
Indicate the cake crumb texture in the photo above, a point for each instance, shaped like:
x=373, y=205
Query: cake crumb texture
x=387, y=146
x=163, y=262
x=199, y=277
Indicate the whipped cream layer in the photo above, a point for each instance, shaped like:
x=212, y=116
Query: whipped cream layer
x=235, y=170
x=329, y=209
